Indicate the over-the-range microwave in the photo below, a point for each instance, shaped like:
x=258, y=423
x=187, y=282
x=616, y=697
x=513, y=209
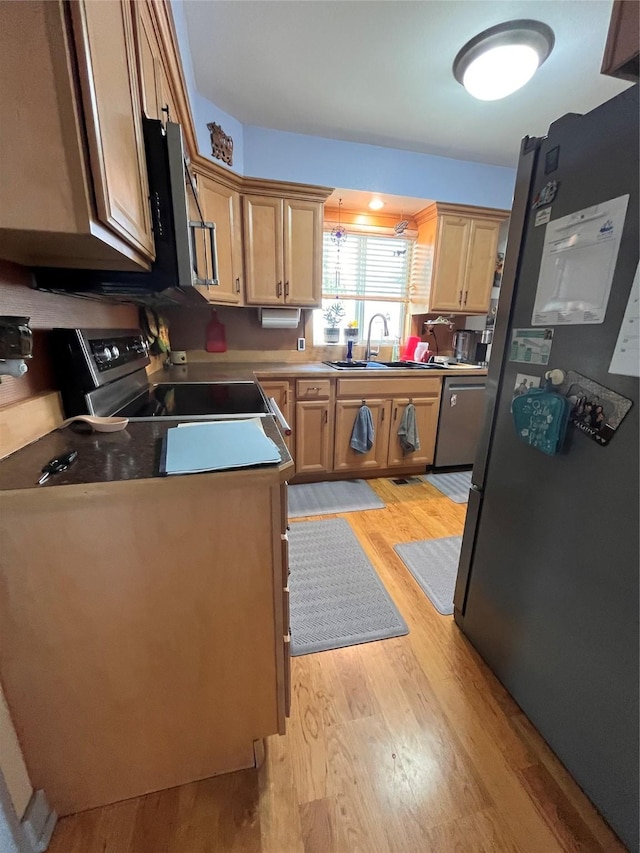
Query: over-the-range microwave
x=185, y=246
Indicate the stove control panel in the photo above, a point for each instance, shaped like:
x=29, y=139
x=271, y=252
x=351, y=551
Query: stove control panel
x=111, y=352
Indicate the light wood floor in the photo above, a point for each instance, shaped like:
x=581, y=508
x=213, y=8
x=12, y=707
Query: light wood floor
x=401, y=745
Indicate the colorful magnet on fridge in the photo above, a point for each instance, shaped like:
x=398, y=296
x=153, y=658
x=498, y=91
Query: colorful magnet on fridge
x=546, y=195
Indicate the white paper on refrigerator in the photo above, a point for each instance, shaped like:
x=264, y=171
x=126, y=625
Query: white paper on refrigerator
x=578, y=263
x=626, y=355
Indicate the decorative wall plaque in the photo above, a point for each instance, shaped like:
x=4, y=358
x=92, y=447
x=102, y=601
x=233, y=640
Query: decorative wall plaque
x=221, y=144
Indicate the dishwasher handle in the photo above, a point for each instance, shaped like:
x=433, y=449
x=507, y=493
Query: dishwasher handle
x=467, y=388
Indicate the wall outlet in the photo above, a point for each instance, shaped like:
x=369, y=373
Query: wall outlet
x=302, y=344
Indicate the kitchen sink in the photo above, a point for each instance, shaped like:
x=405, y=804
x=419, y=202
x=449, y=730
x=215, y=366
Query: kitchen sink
x=384, y=365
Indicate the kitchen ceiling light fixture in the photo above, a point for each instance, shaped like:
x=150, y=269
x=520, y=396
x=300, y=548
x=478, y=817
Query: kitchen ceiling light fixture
x=376, y=204
x=503, y=58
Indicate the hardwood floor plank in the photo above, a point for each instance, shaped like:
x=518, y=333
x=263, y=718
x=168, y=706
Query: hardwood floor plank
x=407, y=745
x=319, y=826
x=280, y=827
x=600, y=830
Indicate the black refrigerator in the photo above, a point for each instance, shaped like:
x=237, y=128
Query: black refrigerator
x=548, y=581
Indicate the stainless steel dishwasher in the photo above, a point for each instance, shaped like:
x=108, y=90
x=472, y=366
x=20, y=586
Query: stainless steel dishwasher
x=461, y=419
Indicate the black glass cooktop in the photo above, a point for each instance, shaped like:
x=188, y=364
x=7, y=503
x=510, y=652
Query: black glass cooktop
x=191, y=400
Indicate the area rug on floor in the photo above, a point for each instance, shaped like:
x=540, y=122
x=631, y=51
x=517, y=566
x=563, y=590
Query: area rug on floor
x=434, y=564
x=455, y=485
x=325, y=498
x=336, y=596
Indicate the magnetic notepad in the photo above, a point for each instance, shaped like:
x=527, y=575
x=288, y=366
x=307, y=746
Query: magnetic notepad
x=216, y=446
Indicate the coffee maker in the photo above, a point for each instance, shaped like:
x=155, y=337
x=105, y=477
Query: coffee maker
x=471, y=347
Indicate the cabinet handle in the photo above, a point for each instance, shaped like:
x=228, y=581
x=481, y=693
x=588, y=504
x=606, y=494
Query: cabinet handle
x=395, y=413
x=313, y=388
x=279, y=289
x=382, y=415
x=286, y=288
x=286, y=397
x=466, y=293
x=326, y=416
x=237, y=285
x=460, y=298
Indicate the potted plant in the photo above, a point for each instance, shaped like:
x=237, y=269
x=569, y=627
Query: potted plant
x=351, y=332
x=332, y=317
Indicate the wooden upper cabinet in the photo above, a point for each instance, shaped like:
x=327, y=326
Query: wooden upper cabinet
x=149, y=62
x=622, y=50
x=450, y=260
x=455, y=259
x=283, y=251
x=480, y=265
x=221, y=205
x=303, y=253
x=60, y=206
x=106, y=62
x=263, y=250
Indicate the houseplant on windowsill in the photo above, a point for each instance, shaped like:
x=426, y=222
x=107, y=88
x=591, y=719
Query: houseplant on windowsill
x=333, y=316
x=351, y=333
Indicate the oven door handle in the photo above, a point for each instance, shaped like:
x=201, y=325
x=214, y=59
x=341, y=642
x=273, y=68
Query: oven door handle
x=279, y=416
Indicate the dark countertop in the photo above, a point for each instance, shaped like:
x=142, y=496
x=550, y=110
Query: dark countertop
x=211, y=371
x=132, y=454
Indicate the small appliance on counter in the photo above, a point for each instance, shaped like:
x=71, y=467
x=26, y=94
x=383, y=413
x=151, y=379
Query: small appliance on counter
x=471, y=346
x=16, y=344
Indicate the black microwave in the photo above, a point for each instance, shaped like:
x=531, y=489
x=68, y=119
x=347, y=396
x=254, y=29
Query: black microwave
x=185, y=244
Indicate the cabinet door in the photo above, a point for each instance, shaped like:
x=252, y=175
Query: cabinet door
x=148, y=53
x=281, y=392
x=450, y=261
x=263, y=248
x=427, y=424
x=346, y=459
x=314, y=434
x=481, y=265
x=303, y=253
x=103, y=34
x=221, y=205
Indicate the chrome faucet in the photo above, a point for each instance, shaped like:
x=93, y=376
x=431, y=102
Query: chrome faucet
x=367, y=352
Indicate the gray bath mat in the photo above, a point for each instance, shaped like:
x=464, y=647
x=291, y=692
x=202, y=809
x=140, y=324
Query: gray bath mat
x=336, y=596
x=326, y=498
x=434, y=564
x=455, y=486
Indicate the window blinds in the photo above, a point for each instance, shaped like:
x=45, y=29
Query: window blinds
x=366, y=268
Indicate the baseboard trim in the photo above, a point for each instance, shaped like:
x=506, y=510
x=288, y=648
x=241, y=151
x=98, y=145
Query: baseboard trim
x=38, y=822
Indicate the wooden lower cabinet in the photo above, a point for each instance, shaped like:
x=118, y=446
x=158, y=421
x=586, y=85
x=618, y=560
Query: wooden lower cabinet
x=347, y=459
x=314, y=436
x=129, y=663
x=427, y=423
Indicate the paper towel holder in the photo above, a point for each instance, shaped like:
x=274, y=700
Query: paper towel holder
x=279, y=318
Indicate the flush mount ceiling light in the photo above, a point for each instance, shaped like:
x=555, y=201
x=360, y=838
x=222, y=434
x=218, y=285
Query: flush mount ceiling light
x=376, y=204
x=503, y=58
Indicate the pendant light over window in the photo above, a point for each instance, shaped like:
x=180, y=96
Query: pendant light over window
x=503, y=58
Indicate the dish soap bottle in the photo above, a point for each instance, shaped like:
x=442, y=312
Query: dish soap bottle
x=216, y=339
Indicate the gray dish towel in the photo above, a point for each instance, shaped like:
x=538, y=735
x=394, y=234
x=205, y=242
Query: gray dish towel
x=408, y=430
x=363, y=432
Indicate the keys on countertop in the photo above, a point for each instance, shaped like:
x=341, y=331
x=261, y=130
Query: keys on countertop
x=57, y=465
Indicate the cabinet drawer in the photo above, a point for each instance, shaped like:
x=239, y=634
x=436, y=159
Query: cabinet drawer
x=313, y=389
x=396, y=387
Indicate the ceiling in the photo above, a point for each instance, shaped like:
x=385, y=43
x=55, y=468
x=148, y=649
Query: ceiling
x=358, y=201
x=380, y=72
